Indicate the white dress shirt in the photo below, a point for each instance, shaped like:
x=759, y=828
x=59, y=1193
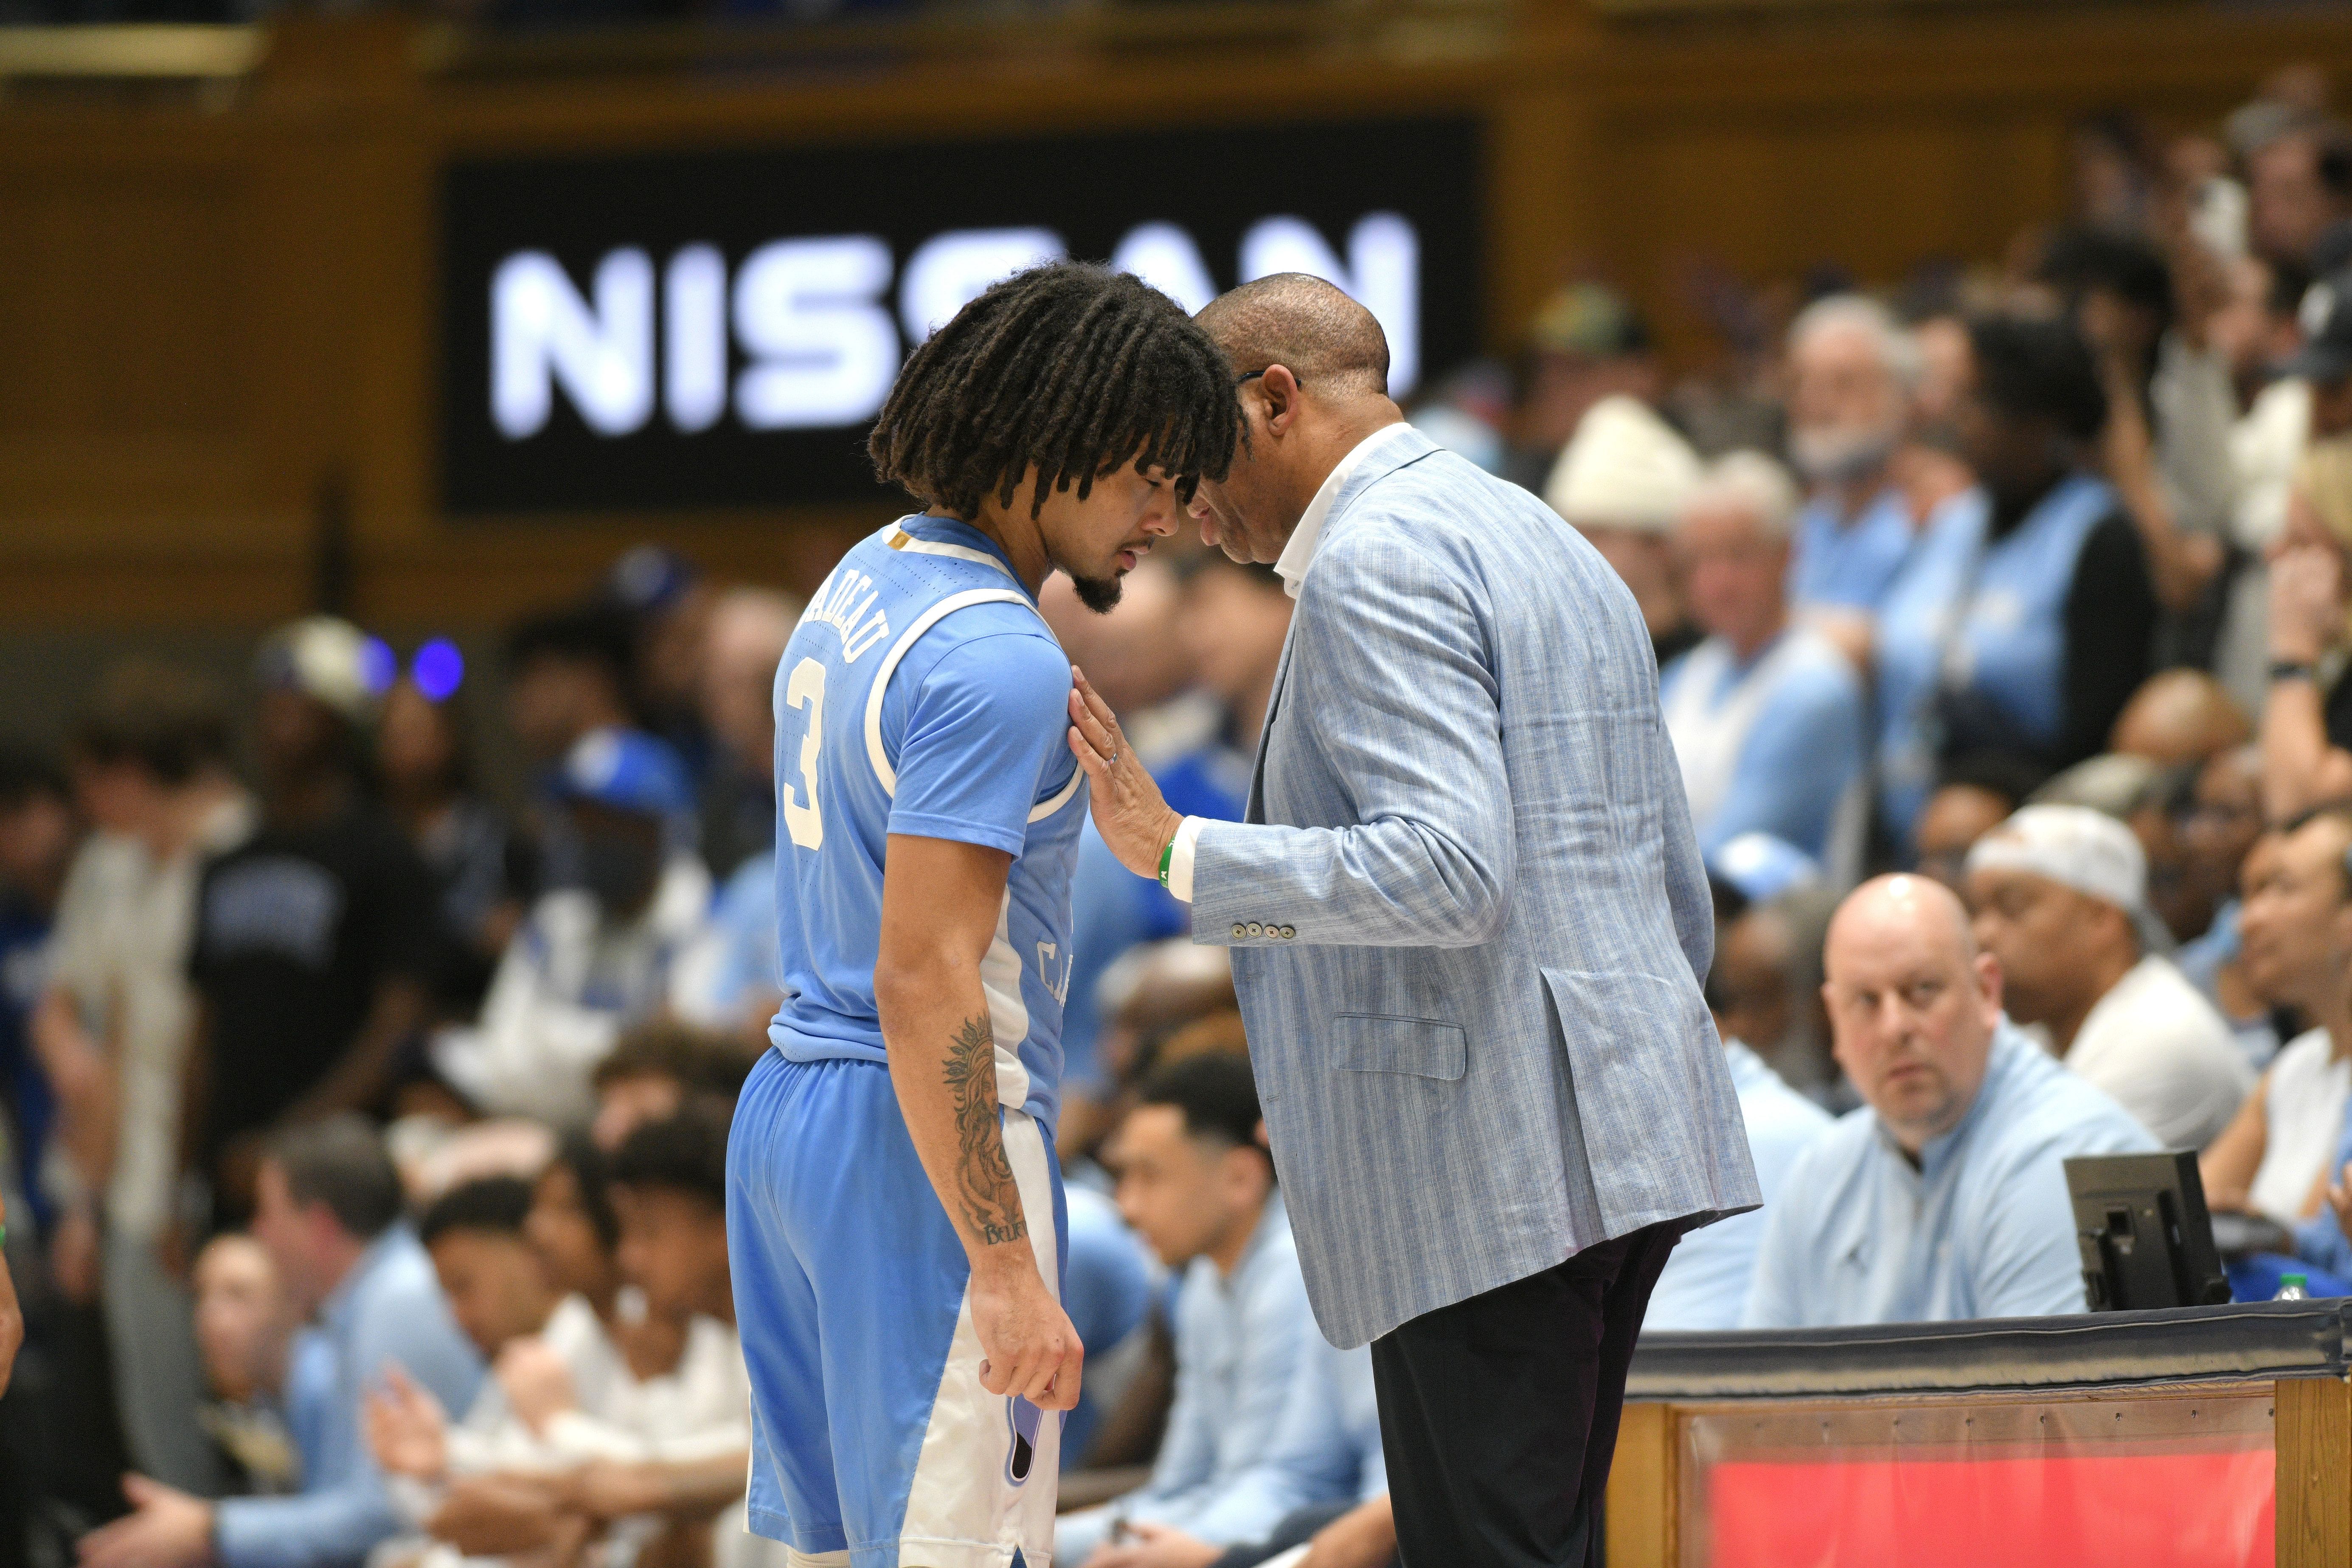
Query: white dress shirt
x=1291, y=566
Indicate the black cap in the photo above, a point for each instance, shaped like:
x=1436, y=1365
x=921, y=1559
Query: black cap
x=2327, y=354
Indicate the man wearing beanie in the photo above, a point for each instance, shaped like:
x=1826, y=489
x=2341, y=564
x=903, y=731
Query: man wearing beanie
x=1622, y=481
x=314, y=950
x=2060, y=897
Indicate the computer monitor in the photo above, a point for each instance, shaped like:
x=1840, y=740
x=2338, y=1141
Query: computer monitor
x=2147, y=1239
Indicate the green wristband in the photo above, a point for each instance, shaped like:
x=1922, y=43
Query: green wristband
x=1167, y=859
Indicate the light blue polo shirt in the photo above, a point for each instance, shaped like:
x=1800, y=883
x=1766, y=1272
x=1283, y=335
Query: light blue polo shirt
x=1981, y=1227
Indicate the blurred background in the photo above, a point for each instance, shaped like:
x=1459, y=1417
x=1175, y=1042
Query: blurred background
x=422, y=424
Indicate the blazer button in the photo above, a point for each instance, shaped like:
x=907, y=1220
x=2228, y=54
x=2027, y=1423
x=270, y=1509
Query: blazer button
x=1255, y=928
x=1240, y=931
x=1288, y=933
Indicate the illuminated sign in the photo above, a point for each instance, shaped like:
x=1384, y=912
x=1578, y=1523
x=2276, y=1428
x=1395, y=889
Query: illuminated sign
x=682, y=331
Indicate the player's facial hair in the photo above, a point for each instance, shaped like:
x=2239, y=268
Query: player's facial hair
x=1097, y=594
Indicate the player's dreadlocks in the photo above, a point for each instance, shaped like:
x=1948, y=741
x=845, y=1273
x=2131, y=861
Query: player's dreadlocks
x=1074, y=368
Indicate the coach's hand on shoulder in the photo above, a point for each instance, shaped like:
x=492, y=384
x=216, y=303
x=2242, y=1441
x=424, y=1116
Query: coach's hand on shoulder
x=1028, y=1346
x=1130, y=812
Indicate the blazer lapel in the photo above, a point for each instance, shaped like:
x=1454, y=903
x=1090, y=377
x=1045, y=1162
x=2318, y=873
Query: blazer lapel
x=1255, y=810
x=1401, y=450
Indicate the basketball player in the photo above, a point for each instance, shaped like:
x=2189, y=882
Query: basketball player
x=895, y=1212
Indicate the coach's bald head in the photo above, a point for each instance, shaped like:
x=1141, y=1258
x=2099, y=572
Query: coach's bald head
x=1312, y=327
x=1314, y=369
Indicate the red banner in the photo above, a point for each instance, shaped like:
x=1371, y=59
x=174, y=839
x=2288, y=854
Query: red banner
x=2101, y=1510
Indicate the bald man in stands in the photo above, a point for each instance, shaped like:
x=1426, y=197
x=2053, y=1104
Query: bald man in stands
x=1469, y=950
x=1944, y=1195
x=2181, y=718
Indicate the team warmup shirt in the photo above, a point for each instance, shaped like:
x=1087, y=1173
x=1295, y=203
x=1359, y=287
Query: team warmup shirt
x=923, y=694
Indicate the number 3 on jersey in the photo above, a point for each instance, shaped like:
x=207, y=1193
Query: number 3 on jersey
x=802, y=818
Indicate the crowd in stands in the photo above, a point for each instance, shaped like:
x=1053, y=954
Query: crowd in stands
x=366, y=1132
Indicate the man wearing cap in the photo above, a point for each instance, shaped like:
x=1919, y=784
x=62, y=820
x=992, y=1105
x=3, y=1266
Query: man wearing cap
x=314, y=947
x=1766, y=718
x=1944, y=1195
x=2060, y=894
x=592, y=959
x=1622, y=481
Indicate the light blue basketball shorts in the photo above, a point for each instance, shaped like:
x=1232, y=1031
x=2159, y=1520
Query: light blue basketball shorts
x=874, y=1444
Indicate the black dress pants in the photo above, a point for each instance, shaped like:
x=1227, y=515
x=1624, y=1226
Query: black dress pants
x=1499, y=1413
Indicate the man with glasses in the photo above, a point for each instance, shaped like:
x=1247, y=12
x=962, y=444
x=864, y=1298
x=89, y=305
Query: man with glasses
x=1468, y=922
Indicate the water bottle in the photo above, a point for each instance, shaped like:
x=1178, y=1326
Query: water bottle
x=2293, y=1287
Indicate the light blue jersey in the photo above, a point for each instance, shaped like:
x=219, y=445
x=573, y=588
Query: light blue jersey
x=923, y=694
x=920, y=695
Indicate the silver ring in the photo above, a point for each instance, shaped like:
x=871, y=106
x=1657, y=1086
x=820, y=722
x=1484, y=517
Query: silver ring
x=1113, y=760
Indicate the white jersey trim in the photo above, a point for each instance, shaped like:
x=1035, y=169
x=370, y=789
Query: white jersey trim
x=899, y=651
x=875, y=753
x=902, y=540
x=965, y=1509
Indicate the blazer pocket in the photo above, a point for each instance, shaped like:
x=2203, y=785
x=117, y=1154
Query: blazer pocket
x=1425, y=1048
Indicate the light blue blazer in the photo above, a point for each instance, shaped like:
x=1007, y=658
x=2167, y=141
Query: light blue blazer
x=1467, y=912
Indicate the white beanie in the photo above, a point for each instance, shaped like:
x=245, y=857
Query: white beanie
x=1625, y=467
x=2073, y=846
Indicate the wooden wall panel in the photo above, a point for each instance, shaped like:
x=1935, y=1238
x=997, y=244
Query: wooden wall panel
x=215, y=307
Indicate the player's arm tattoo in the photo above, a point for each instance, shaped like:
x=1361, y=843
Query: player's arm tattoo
x=985, y=1184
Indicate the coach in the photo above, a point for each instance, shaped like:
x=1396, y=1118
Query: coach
x=1469, y=924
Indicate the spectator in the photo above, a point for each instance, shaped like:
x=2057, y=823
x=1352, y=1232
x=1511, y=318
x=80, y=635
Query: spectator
x=1586, y=345
x=1851, y=373
x=667, y=606
x=500, y=1294
x=39, y=834
x=150, y=762
x=733, y=978
x=2298, y=186
x=497, y=1287
x=1705, y=1284
x=1977, y=794
x=2060, y=896
x=1232, y=620
x=1766, y=718
x=314, y=950
x=2165, y=444
x=1107, y=1287
x=484, y=872
x=2306, y=733
x=2273, y=1160
x=570, y=673
x=2179, y=719
x=1138, y=649
x=2216, y=832
x=1622, y=481
x=747, y=628
x=663, y=1453
x=573, y=1228
x=1944, y=1196
x=505, y=1297
x=328, y=1212
x=669, y=1195
x=1324, y=1478
x=2024, y=622
x=245, y=1329
x=2308, y=398
x=1197, y=1183
x=592, y=959
x=655, y=1069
